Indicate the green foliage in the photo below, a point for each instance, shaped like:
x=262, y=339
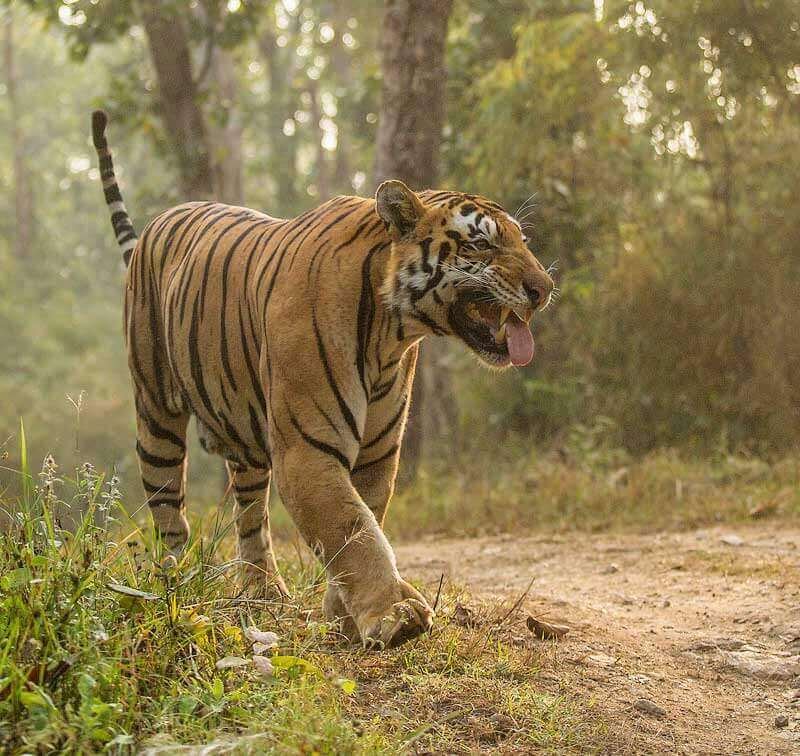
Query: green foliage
x=108, y=644
x=675, y=242
x=105, y=642
x=589, y=483
x=648, y=136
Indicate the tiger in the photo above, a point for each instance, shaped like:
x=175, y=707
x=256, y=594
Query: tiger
x=293, y=343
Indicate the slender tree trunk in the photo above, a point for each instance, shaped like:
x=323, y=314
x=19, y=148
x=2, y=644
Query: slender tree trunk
x=226, y=136
x=283, y=147
x=409, y=135
x=342, y=70
x=23, y=193
x=180, y=107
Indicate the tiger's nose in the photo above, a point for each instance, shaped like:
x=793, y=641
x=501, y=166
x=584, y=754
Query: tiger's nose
x=538, y=290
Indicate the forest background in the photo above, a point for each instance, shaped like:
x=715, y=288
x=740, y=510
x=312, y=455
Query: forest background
x=652, y=147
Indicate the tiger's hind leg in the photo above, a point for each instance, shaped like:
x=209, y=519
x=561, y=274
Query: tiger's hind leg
x=161, y=448
x=259, y=571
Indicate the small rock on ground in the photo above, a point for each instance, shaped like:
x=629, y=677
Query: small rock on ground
x=716, y=644
x=731, y=540
x=601, y=660
x=781, y=721
x=546, y=630
x=647, y=706
x=464, y=616
x=763, y=665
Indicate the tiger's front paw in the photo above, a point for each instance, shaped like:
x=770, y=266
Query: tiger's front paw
x=397, y=623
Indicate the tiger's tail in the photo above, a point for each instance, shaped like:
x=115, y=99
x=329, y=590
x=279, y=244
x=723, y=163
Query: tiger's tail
x=120, y=220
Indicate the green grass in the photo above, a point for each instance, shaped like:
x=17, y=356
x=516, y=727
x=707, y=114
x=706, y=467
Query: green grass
x=736, y=565
x=108, y=644
x=517, y=489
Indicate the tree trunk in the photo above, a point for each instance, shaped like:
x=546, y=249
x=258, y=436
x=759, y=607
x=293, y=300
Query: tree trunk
x=180, y=108
x=413, y=92
x=23, y=193
x=283, y=147
x=343, y=73
x=409, y=135
x=226, y=136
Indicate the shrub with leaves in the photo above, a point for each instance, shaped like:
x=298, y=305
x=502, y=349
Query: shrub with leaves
x=106, y=638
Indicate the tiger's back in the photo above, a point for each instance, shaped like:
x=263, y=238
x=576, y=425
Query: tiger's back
x=200, y=310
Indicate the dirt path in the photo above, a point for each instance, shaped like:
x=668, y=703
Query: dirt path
x=705, y=624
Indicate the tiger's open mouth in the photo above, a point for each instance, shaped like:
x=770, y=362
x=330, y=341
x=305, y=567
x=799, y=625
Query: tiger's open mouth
x=497, y=334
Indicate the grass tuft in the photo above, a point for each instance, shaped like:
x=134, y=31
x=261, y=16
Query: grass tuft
x=109, y=644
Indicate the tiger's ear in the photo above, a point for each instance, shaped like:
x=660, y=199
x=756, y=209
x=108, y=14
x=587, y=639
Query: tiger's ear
x=398, y=207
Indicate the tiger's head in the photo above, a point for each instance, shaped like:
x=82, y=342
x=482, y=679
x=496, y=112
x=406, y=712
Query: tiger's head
x=460, y=266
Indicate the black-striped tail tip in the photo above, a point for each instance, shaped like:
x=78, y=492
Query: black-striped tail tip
x=99, y=123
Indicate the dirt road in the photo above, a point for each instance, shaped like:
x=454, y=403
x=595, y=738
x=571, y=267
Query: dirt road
x=703, y=624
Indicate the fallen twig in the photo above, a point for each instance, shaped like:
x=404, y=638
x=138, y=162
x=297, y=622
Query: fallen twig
x=438, y=592
x=516, y=605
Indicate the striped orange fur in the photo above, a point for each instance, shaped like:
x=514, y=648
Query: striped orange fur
x=293, y=344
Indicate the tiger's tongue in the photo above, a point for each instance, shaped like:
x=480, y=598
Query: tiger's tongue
x=519, y=340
